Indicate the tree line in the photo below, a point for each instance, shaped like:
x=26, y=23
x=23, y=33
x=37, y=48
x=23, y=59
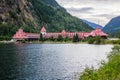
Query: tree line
x=90, y=40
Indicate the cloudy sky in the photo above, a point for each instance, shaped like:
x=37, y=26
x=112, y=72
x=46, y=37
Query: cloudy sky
x=98, y=11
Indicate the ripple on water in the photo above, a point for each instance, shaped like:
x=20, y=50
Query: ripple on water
x=48, y=61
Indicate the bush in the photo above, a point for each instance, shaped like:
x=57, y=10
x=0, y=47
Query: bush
x=42, y=38
x=75, y=38
x=107, y=71
x=52, y=38
x=113, y=41
x=67, y=39
x=7, y=29
x=90, y=40
x=95, y=40
x=59, y=38
x=5, y=38
x=23, y=41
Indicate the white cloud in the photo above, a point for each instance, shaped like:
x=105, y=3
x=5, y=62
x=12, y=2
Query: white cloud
x=93, y=10
x=80, y=10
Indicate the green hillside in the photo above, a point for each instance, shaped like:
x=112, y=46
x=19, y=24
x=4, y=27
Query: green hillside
x=113, y=27
x=31, y=15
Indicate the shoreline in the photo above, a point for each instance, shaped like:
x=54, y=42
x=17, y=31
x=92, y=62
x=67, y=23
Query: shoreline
x=48, y=42
x=111, y=42
x=6, y=42
x=51, y=42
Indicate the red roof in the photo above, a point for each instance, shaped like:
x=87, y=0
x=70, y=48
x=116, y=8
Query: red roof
x=63, y=32
x=97, y=32
x=20, y=34
x=43, y=29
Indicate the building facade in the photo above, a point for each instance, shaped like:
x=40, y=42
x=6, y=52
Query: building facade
x=21, y=35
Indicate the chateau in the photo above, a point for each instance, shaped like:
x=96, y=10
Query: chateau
x=21, y=35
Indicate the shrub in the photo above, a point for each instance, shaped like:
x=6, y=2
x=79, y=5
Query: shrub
x=5, y=38
x=90, y=40
x=59, y=38
x=67, y=39
x=24, y=41
x=52, y=38
x=42, y=38
x=107, y=71
x=75, y=38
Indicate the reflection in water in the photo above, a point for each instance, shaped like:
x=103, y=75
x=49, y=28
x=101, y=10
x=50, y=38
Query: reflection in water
x=48, y=61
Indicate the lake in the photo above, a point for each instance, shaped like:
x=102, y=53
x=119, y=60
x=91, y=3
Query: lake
x=49, y=61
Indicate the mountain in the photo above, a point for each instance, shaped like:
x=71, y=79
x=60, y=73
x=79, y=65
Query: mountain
x=113, y=27
x=31, y=15
x=93, y=25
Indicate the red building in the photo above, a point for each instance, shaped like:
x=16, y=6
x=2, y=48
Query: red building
x=98, y=32
x=21, y=35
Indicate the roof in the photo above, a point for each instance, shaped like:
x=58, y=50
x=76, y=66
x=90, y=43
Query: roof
x=43, y=29
x=63, y=31
x=20, y=34
x=97, y=32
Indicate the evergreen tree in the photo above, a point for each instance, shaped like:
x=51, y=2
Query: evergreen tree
x=67, y=39
x=60, y=38
x=52, y=38
x=76, y=38
x=41, y=37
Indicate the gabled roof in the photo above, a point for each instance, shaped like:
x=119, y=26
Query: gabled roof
x=97, y=32
x=63, y=31
x=20, y=34
x=43, y=29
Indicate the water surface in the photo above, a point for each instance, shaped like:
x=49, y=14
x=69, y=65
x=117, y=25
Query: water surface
x=48, y=61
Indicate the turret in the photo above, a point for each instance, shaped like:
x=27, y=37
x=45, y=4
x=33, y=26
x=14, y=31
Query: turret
x=43, y=31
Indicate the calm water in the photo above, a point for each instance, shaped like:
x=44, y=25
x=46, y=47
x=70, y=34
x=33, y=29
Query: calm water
x=48, y=61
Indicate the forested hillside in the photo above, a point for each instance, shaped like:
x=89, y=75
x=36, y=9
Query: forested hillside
x=31, y=15
x=113, y=27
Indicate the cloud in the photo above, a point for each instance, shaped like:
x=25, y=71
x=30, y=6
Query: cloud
x=107, y=16
x=92, y=10
x=80, y=10
x=106, y=0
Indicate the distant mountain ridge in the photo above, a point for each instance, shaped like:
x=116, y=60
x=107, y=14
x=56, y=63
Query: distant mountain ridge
x=113, y=27
x=93, y=25
x=33, y=14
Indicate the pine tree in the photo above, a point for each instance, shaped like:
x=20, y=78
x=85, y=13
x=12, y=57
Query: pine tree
x=60, y=38
x=41, y=37
x=76, y=38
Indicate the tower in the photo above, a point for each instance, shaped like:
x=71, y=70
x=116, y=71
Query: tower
x=43, y=31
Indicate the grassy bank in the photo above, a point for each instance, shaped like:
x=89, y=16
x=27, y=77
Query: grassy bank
x=87, y=41
x=108, y=70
